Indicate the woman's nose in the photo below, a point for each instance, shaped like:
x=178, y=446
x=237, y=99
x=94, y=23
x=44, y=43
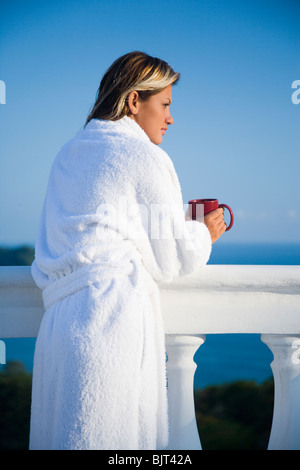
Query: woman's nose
x=169, y=120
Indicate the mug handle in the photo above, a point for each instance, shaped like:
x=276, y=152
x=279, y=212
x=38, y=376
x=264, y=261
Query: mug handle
x=231, y=216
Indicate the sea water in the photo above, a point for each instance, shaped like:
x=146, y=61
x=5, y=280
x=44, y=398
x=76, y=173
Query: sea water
x=223, y=358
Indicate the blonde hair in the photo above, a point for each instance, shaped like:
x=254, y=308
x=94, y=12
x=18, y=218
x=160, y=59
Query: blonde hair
x=135, y=71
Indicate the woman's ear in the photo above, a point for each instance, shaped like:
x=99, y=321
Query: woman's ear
x=132, y=102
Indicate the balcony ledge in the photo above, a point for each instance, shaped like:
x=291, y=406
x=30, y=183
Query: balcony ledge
x=215, y=299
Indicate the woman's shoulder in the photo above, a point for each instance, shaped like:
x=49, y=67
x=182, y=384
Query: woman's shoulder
x=120, y=145
x=123, y=138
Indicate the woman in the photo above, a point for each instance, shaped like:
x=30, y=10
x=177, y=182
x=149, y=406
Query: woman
x=112, y=225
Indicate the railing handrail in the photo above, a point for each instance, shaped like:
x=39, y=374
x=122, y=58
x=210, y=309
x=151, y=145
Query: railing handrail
x=234, y=299
x=215, y=299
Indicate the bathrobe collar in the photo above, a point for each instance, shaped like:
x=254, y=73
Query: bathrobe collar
x=125, y=124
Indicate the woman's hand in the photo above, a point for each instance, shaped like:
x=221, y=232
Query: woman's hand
x=215, y=223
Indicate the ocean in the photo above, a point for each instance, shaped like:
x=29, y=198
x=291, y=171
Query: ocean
x=222, y=358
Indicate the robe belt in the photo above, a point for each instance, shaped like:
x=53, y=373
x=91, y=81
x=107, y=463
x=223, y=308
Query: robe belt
x=142, y=282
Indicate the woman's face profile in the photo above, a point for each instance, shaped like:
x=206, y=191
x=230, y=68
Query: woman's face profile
x=152, y=115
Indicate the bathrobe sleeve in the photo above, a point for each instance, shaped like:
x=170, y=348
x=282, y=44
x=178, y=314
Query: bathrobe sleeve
x=176, y=247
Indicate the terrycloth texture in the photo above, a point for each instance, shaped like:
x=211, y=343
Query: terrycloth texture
x=112, y=224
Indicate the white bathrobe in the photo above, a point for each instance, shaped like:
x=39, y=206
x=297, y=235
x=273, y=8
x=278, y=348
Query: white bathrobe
x=112, y=225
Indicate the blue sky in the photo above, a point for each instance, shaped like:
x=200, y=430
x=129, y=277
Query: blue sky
x=236, y=131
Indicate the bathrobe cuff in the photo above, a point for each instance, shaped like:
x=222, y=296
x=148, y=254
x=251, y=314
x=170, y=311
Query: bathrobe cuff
x=199, y=240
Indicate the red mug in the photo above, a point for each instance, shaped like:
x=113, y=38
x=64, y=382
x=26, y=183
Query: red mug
x=209, y=205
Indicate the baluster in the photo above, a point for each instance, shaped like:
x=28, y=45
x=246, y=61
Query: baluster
x=181, y=369
x=285, y=433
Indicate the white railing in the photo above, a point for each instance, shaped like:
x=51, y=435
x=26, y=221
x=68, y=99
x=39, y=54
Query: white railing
x=217, y=299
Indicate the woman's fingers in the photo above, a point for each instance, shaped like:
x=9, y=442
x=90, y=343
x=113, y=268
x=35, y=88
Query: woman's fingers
x=215, y=223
